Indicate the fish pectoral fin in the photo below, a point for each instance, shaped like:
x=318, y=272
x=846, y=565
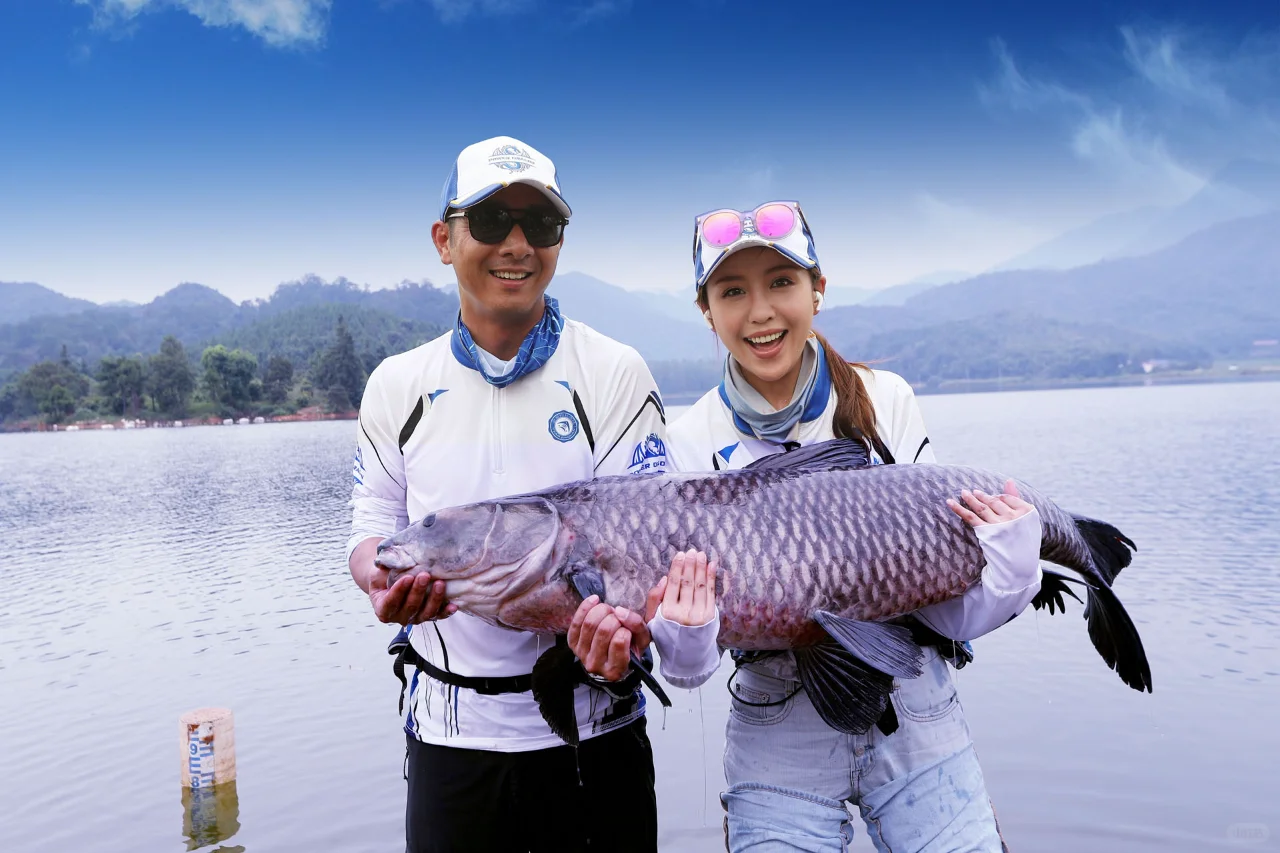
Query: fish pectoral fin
x=1053, y=586
x=555, y=675
x=849, y=695
x=885, y=647
x=586, y=580
x=836, y=454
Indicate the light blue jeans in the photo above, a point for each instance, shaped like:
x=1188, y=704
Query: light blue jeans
x=919, y=790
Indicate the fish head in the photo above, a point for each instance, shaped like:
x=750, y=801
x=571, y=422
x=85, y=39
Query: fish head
x=486, y=553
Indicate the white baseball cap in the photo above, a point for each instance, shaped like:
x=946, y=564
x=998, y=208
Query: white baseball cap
x=486, y=167
x=777, y=225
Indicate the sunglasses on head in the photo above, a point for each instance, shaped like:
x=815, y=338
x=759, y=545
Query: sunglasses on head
x=491, y=224
x=772, y=221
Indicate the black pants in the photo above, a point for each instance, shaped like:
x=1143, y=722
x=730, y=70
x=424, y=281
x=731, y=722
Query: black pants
x=529, y=802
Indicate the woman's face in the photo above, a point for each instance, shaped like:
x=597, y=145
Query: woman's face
x=762, y=307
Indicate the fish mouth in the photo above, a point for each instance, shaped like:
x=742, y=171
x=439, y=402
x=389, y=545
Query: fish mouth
x=392, y=558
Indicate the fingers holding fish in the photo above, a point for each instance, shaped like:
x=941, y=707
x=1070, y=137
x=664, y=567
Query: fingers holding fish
x=654, y=599
x=609, y=654
x=435, y=607
x=574, y=636
x=401, y=602
x=705, y=601
x=636, y=626
x=1013, y=498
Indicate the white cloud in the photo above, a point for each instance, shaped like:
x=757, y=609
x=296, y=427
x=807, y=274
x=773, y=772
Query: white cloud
x=280, y=23
x=1124, y=142
x=1179, y=106
x=1161, y=59
x=599, y=9
x=453, y=11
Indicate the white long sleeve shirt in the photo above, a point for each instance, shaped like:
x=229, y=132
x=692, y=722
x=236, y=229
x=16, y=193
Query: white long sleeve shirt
x=433, y=434
x=705, y=438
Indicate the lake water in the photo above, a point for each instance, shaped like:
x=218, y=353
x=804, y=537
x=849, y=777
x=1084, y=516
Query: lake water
x=148, y=573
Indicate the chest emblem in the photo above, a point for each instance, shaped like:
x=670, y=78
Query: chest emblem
x=563, y=426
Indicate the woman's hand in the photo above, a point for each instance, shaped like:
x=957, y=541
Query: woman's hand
x=990, y=509
x=688, y=592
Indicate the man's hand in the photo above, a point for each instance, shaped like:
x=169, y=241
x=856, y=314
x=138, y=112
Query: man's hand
x=410, y=600
x=603, y=636
x=688, y=592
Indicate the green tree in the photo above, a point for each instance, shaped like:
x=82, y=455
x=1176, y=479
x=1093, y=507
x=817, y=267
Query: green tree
x=52, y=388
x=340, y=366
x=279, y=379
x=170, y=380
x=10, y=402
x=121, y=380
x=337, y=400
x=229, y=376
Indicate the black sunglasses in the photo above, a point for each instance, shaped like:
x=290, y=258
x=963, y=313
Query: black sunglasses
x=491, y=224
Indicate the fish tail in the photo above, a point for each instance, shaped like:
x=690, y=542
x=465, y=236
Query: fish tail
x=1110, y=549
x=1116, y=637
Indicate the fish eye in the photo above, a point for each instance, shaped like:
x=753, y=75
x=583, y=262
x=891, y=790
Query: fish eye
x=429, y=520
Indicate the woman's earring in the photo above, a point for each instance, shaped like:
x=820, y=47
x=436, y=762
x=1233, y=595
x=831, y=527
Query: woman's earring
x=817, y=302
x=706, y=318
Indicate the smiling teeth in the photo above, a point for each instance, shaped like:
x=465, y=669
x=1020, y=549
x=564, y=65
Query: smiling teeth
x=766, y=339
x=512, y=276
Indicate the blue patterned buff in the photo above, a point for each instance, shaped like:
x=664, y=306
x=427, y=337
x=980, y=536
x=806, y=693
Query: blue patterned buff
x=535, y=349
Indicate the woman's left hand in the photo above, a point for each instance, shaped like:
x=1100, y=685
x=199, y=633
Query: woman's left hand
x=983, y=508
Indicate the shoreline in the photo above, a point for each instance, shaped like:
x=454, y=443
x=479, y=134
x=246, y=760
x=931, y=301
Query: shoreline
x=311, y=413
x=952, y=386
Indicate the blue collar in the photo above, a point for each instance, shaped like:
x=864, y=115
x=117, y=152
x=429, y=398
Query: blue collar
x=538, y=346
x=813, y=408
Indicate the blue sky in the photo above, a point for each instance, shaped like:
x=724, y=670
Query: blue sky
x=241, y=143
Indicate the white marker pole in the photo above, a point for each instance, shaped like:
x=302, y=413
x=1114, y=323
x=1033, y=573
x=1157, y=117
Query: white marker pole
x=210, y=807
x=208, y=748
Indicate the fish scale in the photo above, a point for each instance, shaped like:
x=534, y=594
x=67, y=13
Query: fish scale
x=811, y=546
x=880, y=541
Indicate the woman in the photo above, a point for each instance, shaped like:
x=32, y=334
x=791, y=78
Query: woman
x=914, y=777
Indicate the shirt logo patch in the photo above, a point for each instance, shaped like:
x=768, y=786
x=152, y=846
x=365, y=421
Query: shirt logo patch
x=357, y=467
x=563, y=426
x=649, y=455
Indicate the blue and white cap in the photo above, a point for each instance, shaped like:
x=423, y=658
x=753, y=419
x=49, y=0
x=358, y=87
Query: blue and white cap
x=777, y=225
x=486, y=167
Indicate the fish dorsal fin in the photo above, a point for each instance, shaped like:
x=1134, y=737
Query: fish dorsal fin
x=838, y=454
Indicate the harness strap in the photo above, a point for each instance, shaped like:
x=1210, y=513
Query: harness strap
x=405, y=654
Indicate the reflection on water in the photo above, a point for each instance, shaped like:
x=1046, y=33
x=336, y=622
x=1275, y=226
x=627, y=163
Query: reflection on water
x=210, y=815
x=150, y=572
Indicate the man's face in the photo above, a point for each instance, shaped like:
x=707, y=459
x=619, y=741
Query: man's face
x=506, y=279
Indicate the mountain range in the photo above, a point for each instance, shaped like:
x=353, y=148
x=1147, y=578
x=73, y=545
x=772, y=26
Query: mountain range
x=1241, y=189
x=1214, y=294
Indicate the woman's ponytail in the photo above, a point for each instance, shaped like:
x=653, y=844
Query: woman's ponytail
x=855, y=416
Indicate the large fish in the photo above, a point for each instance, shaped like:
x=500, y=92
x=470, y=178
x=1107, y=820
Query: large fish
x=816, y=550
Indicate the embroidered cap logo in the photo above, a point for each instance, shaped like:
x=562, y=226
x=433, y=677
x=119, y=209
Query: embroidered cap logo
x=511, y=158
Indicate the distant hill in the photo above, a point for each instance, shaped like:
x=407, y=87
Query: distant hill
x=1241, y=189
x=1218, y=289
x=1211, y=295
x=633, y=317
x=297, y=319
x=20, y=300
x=1011, y=345
x=301, y=333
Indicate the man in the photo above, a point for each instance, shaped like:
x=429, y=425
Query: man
x=516, y=398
